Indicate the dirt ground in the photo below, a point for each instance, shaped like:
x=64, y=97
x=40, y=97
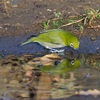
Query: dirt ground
x=18, y=80
x=29, y=16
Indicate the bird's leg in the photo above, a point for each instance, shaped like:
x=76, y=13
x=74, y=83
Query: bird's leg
x=56, y=51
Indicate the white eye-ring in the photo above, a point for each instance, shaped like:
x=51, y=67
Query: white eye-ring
x=72, y=62
x=71, y=44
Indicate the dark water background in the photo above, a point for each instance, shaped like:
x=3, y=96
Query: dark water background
x=12, y=45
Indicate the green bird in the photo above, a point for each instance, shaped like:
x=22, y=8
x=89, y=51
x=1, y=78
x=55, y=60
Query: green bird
x=55, y=38
x=65, y=66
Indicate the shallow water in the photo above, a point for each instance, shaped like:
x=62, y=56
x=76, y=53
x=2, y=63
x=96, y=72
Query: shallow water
x=54, y=77
x=12, y=45
x=30, y=71
x=72, y=77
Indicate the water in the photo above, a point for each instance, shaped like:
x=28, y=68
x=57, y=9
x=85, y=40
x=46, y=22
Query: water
x=66, y=75
x=54, y=77
x=73, y=77
x=12, y=45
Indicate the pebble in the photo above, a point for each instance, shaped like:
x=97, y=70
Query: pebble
x=27, y=67
x=93, y=38
x=49, y=10
x=14, y=82
x=24, y=94
x=29, y=73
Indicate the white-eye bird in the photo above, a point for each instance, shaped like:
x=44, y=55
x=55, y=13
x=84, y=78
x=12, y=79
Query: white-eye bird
x=65, y=66
x=55, y=38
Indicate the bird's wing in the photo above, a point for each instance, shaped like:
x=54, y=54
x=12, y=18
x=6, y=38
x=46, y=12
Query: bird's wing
x=51, y=36
x=50, y=45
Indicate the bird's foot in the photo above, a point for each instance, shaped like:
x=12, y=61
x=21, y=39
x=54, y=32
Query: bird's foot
x=56, y=51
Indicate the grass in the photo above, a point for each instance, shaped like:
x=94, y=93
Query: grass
x=56, y=22
x=80, y=21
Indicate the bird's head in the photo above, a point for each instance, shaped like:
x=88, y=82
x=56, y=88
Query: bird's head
x=73, y=42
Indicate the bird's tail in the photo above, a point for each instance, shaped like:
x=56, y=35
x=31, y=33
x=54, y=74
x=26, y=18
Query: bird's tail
x=29, y=41
x=25, y=43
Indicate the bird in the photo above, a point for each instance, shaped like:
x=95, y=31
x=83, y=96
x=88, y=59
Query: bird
x=63, y=67
x=55, y=38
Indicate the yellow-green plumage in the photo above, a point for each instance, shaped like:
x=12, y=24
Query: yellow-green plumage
x=65, y=66
x=55, y=38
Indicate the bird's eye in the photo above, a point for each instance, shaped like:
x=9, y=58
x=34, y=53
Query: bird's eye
x=71, y=44
x=72, y=62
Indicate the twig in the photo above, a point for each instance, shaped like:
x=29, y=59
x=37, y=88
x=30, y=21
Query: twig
x=54, y=19
x=98, y=26
x=72, y=23
x=76, y=12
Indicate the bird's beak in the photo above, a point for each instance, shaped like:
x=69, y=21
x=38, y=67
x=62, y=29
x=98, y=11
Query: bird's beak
x=78, y=52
